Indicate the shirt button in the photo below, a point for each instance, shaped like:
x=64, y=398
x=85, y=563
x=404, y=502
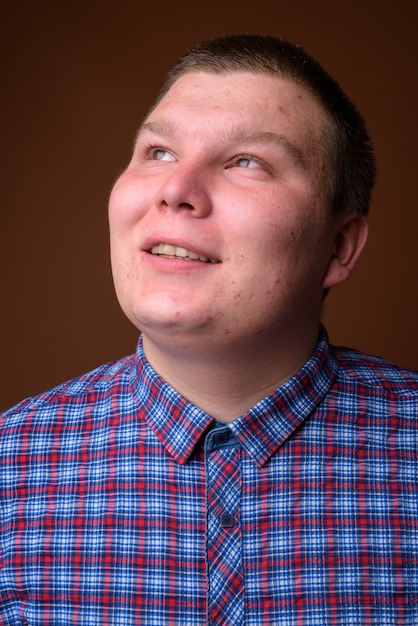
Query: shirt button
x=227, y=520
x=222, y=437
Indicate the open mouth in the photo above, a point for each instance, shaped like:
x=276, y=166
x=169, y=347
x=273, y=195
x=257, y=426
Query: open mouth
x=176, y=252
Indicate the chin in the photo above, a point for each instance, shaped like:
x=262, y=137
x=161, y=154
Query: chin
x=172, y=321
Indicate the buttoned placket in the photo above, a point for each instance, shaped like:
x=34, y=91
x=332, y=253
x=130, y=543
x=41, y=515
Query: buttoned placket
x=225, y=578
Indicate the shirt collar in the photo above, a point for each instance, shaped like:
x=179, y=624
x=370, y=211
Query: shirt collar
x=179, y=425
x=176, y=422
x=265, y=427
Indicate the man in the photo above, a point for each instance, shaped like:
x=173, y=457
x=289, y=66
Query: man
x=238, y=469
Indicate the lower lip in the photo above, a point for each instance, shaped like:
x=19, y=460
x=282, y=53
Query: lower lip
x=177, y=265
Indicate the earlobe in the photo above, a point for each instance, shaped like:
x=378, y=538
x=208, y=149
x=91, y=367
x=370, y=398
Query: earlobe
x=348, y=245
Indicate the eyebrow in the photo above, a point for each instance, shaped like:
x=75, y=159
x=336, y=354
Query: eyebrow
x=237, y=134
x=163, y=128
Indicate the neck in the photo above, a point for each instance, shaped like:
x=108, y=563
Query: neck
x=227, y=382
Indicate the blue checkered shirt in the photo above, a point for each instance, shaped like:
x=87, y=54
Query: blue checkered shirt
x=123, y=504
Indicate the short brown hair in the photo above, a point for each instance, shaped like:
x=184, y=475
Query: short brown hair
x=346, y=141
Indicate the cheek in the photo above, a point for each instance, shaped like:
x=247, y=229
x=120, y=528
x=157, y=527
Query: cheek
x=117, y=210
x=288, y=255
x=127, y=202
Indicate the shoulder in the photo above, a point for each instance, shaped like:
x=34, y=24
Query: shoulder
x=83, y=390
x=375, y=373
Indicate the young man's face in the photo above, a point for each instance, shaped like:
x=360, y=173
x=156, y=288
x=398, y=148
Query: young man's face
x=220, y=225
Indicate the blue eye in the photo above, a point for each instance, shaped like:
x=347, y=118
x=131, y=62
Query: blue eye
x=246, y=162
x=158, y=154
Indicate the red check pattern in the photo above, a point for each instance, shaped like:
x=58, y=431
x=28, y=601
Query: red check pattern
x=123, y=504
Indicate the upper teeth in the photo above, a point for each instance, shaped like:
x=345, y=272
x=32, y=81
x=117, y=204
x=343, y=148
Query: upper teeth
x=173, y=252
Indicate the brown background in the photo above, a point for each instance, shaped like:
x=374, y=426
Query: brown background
x=77, y=77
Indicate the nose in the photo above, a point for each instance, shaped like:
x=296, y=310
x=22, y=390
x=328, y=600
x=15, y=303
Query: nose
x=185, y=188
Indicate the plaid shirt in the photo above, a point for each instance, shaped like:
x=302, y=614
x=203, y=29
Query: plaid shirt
x=123, y=504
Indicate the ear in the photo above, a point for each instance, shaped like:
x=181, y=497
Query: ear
x=348, y=245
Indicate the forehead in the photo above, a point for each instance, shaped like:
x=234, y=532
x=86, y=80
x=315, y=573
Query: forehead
x=241, y=98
